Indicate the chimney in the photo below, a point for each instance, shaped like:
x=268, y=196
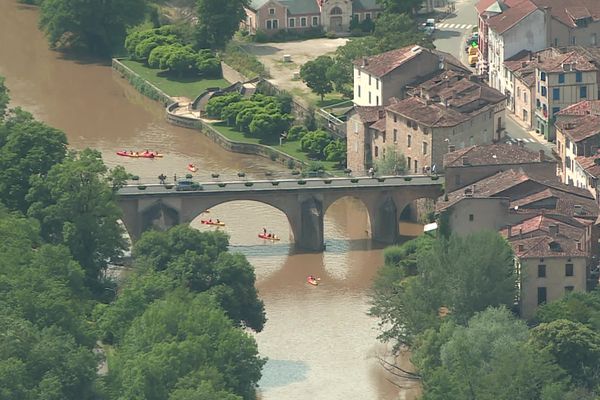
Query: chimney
x=365, y=62
x=473, y=186
x=542, y=156
x=465, y=160
x=468, y=192
x=553, y=229
x=452, y=147
x=382, y=114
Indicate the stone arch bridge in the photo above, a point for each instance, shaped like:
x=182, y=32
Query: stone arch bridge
x=303, y=201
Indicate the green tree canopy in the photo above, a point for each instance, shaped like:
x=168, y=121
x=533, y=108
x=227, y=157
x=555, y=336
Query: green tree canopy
x=218, y=20
x=98, y=26
x=314, y=74
x=4, y=99
x=336, y=151
x=583, y=307
x=177, y=344
x=390, y=162
x=315, y=142
x=75, y=204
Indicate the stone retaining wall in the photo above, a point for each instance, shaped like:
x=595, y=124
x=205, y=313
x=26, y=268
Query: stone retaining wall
x=231, y=75
x=140, y=84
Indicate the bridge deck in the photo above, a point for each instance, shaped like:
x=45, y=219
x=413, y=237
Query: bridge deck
x=285, y=184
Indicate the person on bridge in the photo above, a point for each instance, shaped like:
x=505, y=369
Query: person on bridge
x=371, y=172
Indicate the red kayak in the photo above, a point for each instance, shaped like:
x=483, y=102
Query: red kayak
x=207, y=222
x=267, y=237
x=312, y=280
x=192, y=168
x=135, y=154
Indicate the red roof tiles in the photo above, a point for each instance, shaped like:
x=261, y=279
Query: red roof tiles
x=502, y=22
x=493, y=154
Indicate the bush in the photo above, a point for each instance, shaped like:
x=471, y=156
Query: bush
x=327, y=181
x=354, y=180
x=135, y=178
x=214, y=175
x=248, y=183
x=291, y=164
x=275, y=183
x=196, y=186
x=301, y=182
x=242, y=61
x=168, y=186
x=222, y=184
x=434, y=178
x=273, y=156
x=381, y=179
x=241, y=174
x=295, y=172
x=188, y=176
x=141, y=187
x=407, y=178
x=296, y=132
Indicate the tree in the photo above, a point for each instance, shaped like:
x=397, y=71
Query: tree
x=178, y=343
x=464, y=275
x=575, y=347
x=98, y=26
x=4, y=99
x=399, y=6
x=336, y=151
x=216, y=104
x=314, y=143
x=200, y=261
x=76, y=206
x=489, y=359
x=391, y=162
x=314, y=74
x=583, y=307
x=218, y=20
x=146, y=46
x=269, y=125
x=27, y=148
x=181, y=60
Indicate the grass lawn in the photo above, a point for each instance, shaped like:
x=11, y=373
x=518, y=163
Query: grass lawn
x=315, y=100
x=291, y=148
x=189, y=86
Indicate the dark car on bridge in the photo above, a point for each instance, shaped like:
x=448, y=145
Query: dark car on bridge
x=187, y=185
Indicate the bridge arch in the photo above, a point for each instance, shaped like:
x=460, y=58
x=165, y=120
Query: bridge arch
x=358, y=203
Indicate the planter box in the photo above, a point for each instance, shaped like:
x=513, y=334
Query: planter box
x=248, y=183
x=275, y=183
x=354, y=180
x=222, y=184
x=142, y=187
x=301, y=182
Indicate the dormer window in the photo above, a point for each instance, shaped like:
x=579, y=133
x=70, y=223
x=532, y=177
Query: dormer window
x=554, y=246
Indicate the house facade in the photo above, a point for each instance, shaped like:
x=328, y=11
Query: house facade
x=270, y=16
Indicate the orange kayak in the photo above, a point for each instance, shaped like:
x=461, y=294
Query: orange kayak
x=312, y=280
x=266, y=237
x=206, y=222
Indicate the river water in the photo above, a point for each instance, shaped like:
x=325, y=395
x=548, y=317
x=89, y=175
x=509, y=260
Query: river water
x=320, y=342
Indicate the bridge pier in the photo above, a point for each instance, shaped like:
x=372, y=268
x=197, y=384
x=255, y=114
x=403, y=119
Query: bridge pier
x=384, y=221
x=307, y=225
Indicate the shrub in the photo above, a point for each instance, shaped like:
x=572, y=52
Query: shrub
x=354, y=180
x=275, y=183
x=268, y=173
x=301, y=182
x=241, y=174
x=407, y=178
x=381, y=179
x=248, y=183
x=434, y=178
x=296, y=132
x=214, y=175
x=327, y=181
x=141, y=187
x=168, y=186
x=188, y=176
x=222, y=184
x=196, y=186
x=291, y=164
x=135, y=178
x=295, y=172
x=273, y=156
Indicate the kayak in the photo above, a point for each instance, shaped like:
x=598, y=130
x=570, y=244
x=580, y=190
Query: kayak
x=138, y=154
x=266, y=237
x=312, y=281
x=192, y=168
x=206, y=222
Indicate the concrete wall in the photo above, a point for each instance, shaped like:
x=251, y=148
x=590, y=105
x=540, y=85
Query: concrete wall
x=368, y=89
x=231, y=75
x=458, y=177
x=562, y=35
x=251, y=22
x=554, y=282
x=524, y=104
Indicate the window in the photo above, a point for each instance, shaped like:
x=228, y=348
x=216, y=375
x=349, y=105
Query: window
x=376, y=100
x=424, y=148
x=303, y=21
x=541, y=271
x=578, y=76
x=369, y=97
x=541, y=295
x=315, y=21
x=416, y=166
x=544, y=91
x=383, y=139
x=408, y=140
x=569, y=289
x=408, y=160
x=356, y=127
x=269, y=24
x=525, y=96
x=271, y=11
x=561, y=78
x=292, y=22
x=376, y=151
x=356, y=17
x=556, y=94
x=568, y=269
x=368, y=16
x=555, y=110
x=471, y=217
x=376, y=83
x=395, y=118
x=358, y=90
x=395, y=135
x=518, y=93
x=555, y=42
x=583, y=92
x=543, y=76
x=369, y=80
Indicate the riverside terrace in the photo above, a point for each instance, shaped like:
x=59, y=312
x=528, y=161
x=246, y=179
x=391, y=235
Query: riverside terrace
x=303, y=201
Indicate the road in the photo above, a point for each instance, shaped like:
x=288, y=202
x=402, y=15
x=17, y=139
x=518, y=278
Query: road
x=450, y=36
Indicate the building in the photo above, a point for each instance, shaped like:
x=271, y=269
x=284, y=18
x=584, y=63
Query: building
x=449, y=108
x=466, y=166
x=509, y=26
x=386, y=75
x=578, y=141
x=359, y=136
x=550, y=258
x=270, y=16
x=560, y=82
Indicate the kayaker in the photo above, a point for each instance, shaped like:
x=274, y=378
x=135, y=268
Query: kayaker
x=218, y=221
x=269, y=235
x=264, y=231
x=210, y=220
x=175, y=177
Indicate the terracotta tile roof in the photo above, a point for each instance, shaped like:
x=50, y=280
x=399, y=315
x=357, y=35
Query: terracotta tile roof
x=559, y=201
x=493, y=154
x=483, y=5
x=379, y=125
x=523, y=63
x=370, y=114
x=585, y=107
x=579, y=128
x=445, y=100
x=568, y=11
x=578, y=62
x=590, y=164
x=511, y=16
x=546, y=246
x=384, y=63
x=539, y=225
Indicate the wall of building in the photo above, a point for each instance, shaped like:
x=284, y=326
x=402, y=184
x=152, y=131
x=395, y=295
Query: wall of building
x=298, y=19
x=346, y=16
x=368, y=89
x=471, y=215
x=395, y=82
x=561, y=35
x=524, y=104
x=554, y=282
x=355, y=143
x=250, y=24
x=458, y=177
x=263, y=15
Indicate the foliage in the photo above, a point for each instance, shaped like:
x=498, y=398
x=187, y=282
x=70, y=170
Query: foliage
x=315, y=142
x=575, y=347
x=239, y=59
x=284, y=35
x=218, y=20
x=582, y=307
x=464, y=275
x=488, y=359
x=97, y=26
x=76, y=206
x=296, y=132
x=399, y=7
x=3, y=98
x=27, y=147
x=216, y=104
x=391, y=162
x=401, y=261
x=200, y=262
x=167, y=34
x=179, y=344
x=336, y=151
x=314, y=72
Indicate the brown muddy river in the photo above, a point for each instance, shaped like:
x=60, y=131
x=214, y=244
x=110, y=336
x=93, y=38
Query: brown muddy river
x=319, y=340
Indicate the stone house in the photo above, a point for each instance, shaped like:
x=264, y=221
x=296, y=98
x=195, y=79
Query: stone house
x=466, y=166
x=359, y=136
x=270, y=16
x=383, y=76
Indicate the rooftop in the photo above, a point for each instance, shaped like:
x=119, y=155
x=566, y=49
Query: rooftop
x=569, y=11
x=514, y=12
x=540, y=225
x=493, y=154
x=579, y=128
x=586, y=107
x=558, y=63
x=370, y=114
x=590, y=164
x=546, y=246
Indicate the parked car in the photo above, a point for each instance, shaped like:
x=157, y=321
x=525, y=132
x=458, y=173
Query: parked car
x=429, y=26
x=473, y=58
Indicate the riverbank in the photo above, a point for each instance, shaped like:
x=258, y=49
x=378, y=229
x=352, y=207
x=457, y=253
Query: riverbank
x=149, y=83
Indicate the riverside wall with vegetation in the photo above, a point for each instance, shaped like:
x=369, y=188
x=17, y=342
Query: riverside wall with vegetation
x=140, y=84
